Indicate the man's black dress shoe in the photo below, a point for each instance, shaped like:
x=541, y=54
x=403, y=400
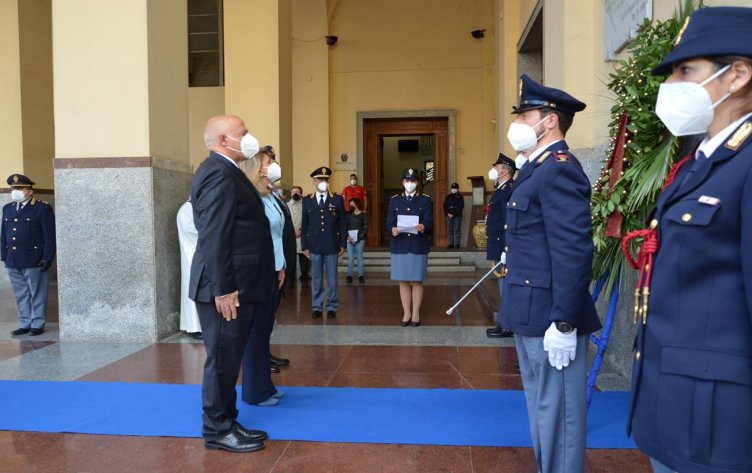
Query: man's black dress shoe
x=498, y=332
x=330, y=314
x=349, y=279
x=361, y=280
x=273, y=369
x=20, y=331
x=36, y=331
x=305, y=283
x=196, y=335
x=317, y=314
x=234, y=442
x=255, y=435
x=279, y=361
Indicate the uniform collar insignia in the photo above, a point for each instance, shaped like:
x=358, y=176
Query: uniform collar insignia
x=740, y=136
x=542, y=158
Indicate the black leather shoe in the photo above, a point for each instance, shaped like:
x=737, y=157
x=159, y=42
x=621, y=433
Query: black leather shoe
x=196, y=335
x=415, y=324
x=349, y=279
x=304, y=283
x=234, y=442
x=498, y=332
x=36, y=331
x=316, y=314
x=330, y=314
x=361, y=280
x=255, y=435
x=273, y=369
x=20, y=331
x=279, y=361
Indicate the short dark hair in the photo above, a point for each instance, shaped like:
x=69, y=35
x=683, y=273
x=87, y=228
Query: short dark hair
x=565, y=119
x=354, y=175
x=356, y=201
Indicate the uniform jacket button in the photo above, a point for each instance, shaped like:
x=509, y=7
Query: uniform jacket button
x=514, y=204
x=686, y=217
x=637, y=356
x=653, y=223
x=527, y=282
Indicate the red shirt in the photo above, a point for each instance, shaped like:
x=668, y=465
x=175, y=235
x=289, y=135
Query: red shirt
x=349, y=192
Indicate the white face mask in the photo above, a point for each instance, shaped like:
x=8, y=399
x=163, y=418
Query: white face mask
x=17, y=195
x=410, y=186
x=522, y=136
x=249, y=145
x=493, y=175
x=520, y=161
x=454, y=191
x=686, y=107
x=353, y=182
x=322, y=186
x=274, y=173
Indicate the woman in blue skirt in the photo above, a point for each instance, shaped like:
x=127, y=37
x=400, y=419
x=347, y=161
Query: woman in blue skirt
x=410, y=243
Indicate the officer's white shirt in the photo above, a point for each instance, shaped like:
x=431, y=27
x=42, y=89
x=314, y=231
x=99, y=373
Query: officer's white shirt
x=709, y=145
x=229, y=159
x=534, y=155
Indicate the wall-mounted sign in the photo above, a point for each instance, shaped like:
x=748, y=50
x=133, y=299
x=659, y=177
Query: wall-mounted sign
x=622, y=21
x=344, y=161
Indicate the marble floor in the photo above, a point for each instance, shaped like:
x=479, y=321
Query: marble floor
x=363, y=347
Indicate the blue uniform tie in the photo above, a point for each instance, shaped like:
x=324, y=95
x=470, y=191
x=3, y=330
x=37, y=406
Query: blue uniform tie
x=321, y=201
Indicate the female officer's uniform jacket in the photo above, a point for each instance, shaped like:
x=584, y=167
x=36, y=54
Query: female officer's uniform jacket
x=420, y=205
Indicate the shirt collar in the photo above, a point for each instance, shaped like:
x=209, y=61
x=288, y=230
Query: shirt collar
x=502, y=183
x=709, y=145
x=410, y=194
x=534, y=155
x=229, y=159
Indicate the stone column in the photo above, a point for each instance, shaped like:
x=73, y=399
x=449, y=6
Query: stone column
x=121, y=165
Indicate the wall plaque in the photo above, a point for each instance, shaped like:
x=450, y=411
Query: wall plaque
x=621, y=23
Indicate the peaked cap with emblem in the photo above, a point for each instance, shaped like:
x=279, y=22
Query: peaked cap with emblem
x=532, y=95
x=504, y=159
x=322, y=173
x=19, y=180
x=716, y=31
x=410, y=174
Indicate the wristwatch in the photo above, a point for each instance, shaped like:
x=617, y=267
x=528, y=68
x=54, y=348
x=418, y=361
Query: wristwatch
x=564, y=327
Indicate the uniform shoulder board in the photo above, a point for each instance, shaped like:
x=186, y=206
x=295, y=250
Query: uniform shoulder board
x=426, y=195
x=396, y=195
x=562, y=157
x=542, y=158
x=740, y=136
x=310, y=195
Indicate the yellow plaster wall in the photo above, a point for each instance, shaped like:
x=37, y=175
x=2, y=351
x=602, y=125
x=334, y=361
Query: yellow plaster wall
x=35, y=18
x=203, y=102
x=419, y=55
x=101, y=79
x=168, y=80
x=310, y=90
x=251, y=42
x=10, y=92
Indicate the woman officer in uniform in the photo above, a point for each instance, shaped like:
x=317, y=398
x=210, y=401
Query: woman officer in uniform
x=691, y=406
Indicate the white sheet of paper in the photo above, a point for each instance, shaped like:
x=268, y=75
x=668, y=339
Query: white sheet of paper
x=406, y=223
x=353, y=234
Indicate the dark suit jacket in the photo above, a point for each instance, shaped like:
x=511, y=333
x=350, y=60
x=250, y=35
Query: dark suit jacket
x=234, y=250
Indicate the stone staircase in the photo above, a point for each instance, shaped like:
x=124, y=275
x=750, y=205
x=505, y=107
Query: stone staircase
x=379, y=261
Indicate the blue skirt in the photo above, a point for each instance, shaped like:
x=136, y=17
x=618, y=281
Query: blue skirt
x=409, y=267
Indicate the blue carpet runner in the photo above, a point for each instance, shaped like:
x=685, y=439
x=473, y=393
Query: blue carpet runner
x=362, y=415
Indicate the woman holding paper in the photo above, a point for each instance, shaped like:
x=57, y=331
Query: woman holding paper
x=409, y=219
x=357, y=229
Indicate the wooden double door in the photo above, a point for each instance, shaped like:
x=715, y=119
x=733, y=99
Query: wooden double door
x=374, y=132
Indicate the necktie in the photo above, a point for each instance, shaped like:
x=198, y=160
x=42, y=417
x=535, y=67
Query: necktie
x=700, y=159
x=321, y=201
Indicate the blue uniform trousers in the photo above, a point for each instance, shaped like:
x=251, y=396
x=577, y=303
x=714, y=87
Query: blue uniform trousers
x=319, y=265
x=498, y=314
x=453, y=228
x=659, y=467
x=30, y=288
x=556, y=405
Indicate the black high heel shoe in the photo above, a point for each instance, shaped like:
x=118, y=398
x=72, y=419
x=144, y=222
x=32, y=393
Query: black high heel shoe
x=415, y=324
x=405, y=323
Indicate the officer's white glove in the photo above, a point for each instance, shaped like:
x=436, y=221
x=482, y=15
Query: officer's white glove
x=503, y=258
x=561, y=347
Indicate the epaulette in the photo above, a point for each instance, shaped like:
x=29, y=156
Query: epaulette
x=33, y=200
x=426, y=195
x=542, y=158
x=562, y=156
x=740, y=136
x=396, y=195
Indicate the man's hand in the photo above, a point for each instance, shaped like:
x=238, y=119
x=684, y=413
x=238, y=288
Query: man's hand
x=227, y=305
x=307, y=254
x=45, y=265
x=281, y=277
x=450, y=215
x=298, y=233
x=395, y=231
x=351, y=240
x=561, y=347
x=342, y=251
